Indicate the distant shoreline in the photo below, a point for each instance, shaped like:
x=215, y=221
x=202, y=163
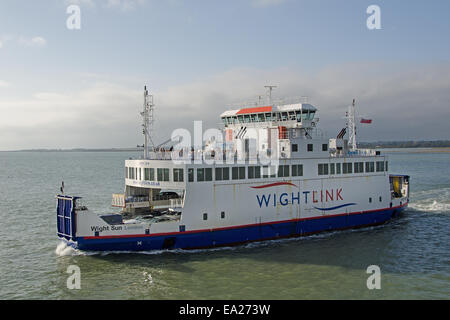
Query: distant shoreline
x=418, y=149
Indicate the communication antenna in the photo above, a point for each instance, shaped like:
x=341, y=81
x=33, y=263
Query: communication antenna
x=351, y=125
x=147, y=122
x=269, y=94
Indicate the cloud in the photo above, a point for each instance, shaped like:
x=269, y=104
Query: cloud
x=405, y=104
x=37, y=41
x=3, y=84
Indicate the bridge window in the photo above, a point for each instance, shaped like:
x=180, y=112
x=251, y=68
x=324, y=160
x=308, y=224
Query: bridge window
x=126, y=172
x=149, y=174
x=254, y=172
x=261, y=117
x=305, y=115
x=191, y=175
x=178, y=175
x=370, y=167
x=292, y=115
x=380, y=166
x=247, y=118
x=297, y=170
x=163, y=174
x=298, y=116
x=284, y=116
x=268, y=117
x=311, y=115
x=323, y=169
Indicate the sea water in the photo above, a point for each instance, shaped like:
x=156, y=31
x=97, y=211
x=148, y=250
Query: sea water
x=412, y=251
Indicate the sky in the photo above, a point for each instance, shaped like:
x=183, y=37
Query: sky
x=82, y=88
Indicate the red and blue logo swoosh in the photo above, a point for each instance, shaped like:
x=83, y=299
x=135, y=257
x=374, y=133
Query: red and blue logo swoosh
x=274, y=185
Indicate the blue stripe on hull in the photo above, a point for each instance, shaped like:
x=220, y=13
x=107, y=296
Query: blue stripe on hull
x=239, y=235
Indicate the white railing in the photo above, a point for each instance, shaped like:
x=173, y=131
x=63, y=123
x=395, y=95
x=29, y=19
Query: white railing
x=118, y=200
x=176, y=203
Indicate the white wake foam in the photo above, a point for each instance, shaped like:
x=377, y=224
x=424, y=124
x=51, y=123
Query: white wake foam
x=435, y=200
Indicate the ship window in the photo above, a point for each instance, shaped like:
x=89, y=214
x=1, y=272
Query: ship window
x=386, y=167
x=178, y=175
x=224, y=121
x=347, y=167
x=380, y=199
x=305, y=115
x=359, y=167
x=323, y=169
x=292, y=115
x=238, y=173
x=254, y=172
x=218, y=174
x=311, y=115
x=332, y=165
x=310, y=147
x=370, y=166
x=163, y=174
x=247, y=118
x=324, y=147
x=338, y=168
x=294, y=147
x=261, y=117
x=370, y=200
x=253, y=118
x=205, y=216
x=191, y=175
x=268, y=171
x=126, y=172
x=222, y=214
x=226, y=173
x=284, y=116
x=298, y=115
x=149, y=174
x=208, y=174
x=200, y=174
x=380, y=166
x=283, y=171
x=297, y=170
x=268, y=117
x=240, y=119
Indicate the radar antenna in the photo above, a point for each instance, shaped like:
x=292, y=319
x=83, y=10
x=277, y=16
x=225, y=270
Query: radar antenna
x=147, y=122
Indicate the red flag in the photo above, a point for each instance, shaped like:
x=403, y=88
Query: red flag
x=366, y=120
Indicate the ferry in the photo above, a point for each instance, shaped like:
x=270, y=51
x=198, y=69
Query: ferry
x=268, y=173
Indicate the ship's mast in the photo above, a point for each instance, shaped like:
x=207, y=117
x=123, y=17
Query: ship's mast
x=351, y=125
x=269, y=94
x=147, y=122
